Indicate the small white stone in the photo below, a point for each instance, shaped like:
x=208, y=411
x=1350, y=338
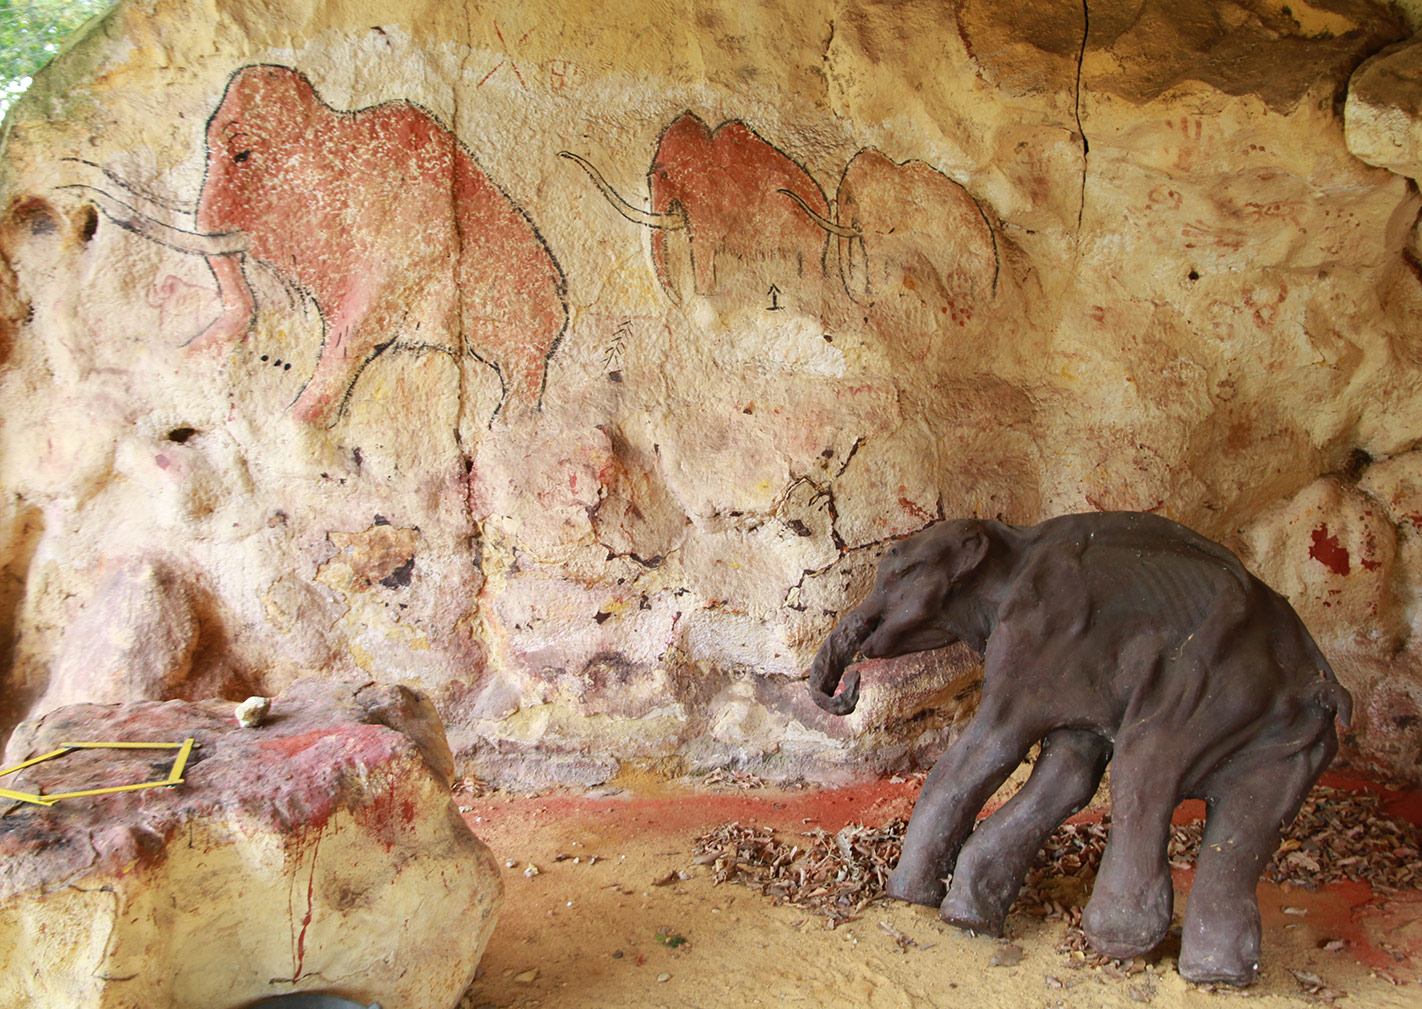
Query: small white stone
x=253, y=711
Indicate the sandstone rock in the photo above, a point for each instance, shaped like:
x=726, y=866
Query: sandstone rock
x=1345, y=554
x=1381, y=115
x=252, y=712
x=133, y=641
x=1032, y=260
x=318, y=852
x=1332, y=552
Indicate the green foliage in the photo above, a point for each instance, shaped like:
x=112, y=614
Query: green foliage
x=31, y=34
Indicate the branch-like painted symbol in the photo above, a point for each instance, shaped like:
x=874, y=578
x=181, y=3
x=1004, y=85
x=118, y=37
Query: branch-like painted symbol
x=612, y=358
x=508, y=58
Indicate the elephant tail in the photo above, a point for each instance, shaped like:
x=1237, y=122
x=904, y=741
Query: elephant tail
x=1333, y=697
x=1329, y=694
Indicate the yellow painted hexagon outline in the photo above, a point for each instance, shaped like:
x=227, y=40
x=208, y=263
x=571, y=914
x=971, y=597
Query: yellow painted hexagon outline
x=175, y=775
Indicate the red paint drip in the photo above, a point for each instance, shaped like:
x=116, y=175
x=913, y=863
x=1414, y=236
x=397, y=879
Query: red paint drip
x=1329, y=552
x=310, y=904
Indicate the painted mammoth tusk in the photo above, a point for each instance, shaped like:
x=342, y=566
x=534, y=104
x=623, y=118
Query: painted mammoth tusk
x=226, y=244
x=172, y=206
x=634, y=214
x=824, y=222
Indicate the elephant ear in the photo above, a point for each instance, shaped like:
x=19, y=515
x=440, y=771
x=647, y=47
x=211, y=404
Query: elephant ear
x=968, y=551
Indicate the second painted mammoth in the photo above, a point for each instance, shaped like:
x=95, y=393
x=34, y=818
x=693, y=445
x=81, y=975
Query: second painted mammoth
x=747, y=214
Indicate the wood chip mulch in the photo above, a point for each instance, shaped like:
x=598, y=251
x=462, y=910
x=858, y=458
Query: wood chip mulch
x=836, y=875
x=1338, y=835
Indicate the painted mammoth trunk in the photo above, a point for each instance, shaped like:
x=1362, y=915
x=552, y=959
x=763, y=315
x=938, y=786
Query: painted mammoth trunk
x=224, y=251
x=835, y=654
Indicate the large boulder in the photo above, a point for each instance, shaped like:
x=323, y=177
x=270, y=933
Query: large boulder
x=1383, y=115
x=319, y=851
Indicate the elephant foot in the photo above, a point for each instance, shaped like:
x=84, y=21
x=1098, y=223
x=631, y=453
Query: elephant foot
x=1125, y=925
x=972, y=903
x=929, y=893
x=1226, y=968
x=1221, y=943
x=971, y=919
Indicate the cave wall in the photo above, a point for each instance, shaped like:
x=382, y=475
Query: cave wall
x=576, y=365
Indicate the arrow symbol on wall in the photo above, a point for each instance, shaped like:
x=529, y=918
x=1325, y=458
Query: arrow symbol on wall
x=775, y=305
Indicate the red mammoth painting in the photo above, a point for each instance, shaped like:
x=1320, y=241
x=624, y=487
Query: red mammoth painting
x=913, y=247
x=385, y=219
x=908, y=225
x=720, y=189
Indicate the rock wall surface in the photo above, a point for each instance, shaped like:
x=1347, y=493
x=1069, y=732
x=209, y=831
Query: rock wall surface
x=575, y=365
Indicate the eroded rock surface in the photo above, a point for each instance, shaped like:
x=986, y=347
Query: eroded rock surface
x=318, y=852
x=783, y=284
x=1381, y=117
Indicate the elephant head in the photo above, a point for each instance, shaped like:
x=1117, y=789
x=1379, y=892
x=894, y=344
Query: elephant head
x=918, y=603
x=268, y=118
x=718, y=192
x=246, y=194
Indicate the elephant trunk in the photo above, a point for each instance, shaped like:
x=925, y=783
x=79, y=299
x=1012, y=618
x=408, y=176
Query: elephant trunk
x=834, y=655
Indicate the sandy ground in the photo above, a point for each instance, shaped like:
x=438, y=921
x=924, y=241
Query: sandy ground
x=592, y=929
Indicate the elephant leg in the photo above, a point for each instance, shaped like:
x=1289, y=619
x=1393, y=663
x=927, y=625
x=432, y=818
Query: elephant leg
x=1249, y=807
x=1132, y=900
x=963, y=779
x=995, y=858
x=344, y=355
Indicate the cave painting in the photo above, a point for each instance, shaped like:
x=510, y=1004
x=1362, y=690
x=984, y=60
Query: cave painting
x=385, y=219
x=716, y=203
x=909, y=230
x=912, y=246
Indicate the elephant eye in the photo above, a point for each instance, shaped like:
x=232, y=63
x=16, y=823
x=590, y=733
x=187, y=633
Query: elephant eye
x=241, y=155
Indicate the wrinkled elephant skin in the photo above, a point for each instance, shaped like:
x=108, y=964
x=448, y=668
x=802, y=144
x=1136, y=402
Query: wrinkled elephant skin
x=384, y=217
x=1119, y=636
x=716, y=198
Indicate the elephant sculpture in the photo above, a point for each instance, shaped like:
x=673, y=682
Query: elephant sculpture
x=720, y=191
x=384, y=217
x=1116, y=636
